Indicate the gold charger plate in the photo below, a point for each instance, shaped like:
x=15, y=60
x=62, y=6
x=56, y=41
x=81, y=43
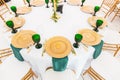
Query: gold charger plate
x=74, y=2
x=58, y=47
x=87, y=9
x=37, y=2
x=24, y=10
x=23, y=39
x=90, y=37
x=18, y=22
x=92, y=21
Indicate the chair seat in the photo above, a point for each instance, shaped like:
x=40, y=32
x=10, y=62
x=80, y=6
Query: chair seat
x=68, y=74
x=107, y=66
x=12, y=69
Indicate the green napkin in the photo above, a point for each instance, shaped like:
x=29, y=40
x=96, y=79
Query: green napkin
x=16, y=52
x=98, y=49
x=59, y=64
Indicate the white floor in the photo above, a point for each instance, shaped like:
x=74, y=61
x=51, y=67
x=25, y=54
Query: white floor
x=115, y=25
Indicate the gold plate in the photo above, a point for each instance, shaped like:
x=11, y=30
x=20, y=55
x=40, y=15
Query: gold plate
x=37, y=2
x=24, y=10
x=74, y=2
x=92, y=21
x=90, y=37
x=18, y=22
x=87, y=9
x=23, y=39
x=58, y=47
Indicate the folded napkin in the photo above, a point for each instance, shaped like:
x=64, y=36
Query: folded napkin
x=98, y=49
x=59, y=64
x=16, y=52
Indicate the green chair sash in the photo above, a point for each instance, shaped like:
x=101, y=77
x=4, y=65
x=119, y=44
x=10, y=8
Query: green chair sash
x=59, y=64
x=98, y=49
x=16, y=52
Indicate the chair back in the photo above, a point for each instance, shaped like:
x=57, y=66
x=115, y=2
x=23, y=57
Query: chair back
x=29, y=75
x=111, y=47
x=3, y=9
x=5, y=53
x=68, y=74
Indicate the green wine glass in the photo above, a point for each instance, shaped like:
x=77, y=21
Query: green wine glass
x=36, y=39
x=47, y=2
x=96, y=9
x=98, y=24
x=28, y=1
x=14, y=9
x=78, y=38
x=82, y=2
x=10, y=24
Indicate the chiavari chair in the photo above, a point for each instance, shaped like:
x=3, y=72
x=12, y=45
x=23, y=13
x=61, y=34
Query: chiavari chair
x=29, y=75
x=111, y=47
x=3, y=9
x=107, y=6
x=105, y=67
x=68, y=74
x=5, y=53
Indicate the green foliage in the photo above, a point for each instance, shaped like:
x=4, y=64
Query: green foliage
x=10, y=24
x=13, y=8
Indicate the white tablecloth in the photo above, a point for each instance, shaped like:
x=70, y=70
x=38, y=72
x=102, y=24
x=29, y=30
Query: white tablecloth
x=39, y=63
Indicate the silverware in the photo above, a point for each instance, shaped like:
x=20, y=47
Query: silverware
x=73, y=51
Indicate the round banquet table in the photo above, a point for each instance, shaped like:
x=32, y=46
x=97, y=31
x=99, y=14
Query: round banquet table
x=70, y=22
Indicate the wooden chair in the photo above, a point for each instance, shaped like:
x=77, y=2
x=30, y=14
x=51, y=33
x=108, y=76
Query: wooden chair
x=105, y=67
x=29, y=75
x=107, y=6
x=3, y=9
x=5, y=53
x=112, y=47
x=116, y=11
x=13, y=69
x=68, y=74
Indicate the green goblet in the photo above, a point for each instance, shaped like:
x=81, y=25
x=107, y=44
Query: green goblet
x=96, y=9
x=28, y=1
x=82, y=2
x=78, y=38
x=98, y=24
x=47, y=2
x=36, y=39
x=14, y=9
x=10, y=24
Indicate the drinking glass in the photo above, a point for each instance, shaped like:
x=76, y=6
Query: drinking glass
x=98, y=24
x=36, y=39
x=78, y=38
x=10, y=24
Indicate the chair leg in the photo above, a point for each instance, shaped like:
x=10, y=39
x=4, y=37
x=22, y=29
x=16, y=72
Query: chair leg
x=115, y=15
x=116, y=51
x=2, y=19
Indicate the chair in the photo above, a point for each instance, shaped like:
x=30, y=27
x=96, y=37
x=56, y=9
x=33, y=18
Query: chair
x=5, y=53
x=12, y=69
x=111, y=47
x=105, y=67
x=107, y=6
x=29, y=75
x=116, y=11
x=3, y=9
x=68, y=74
